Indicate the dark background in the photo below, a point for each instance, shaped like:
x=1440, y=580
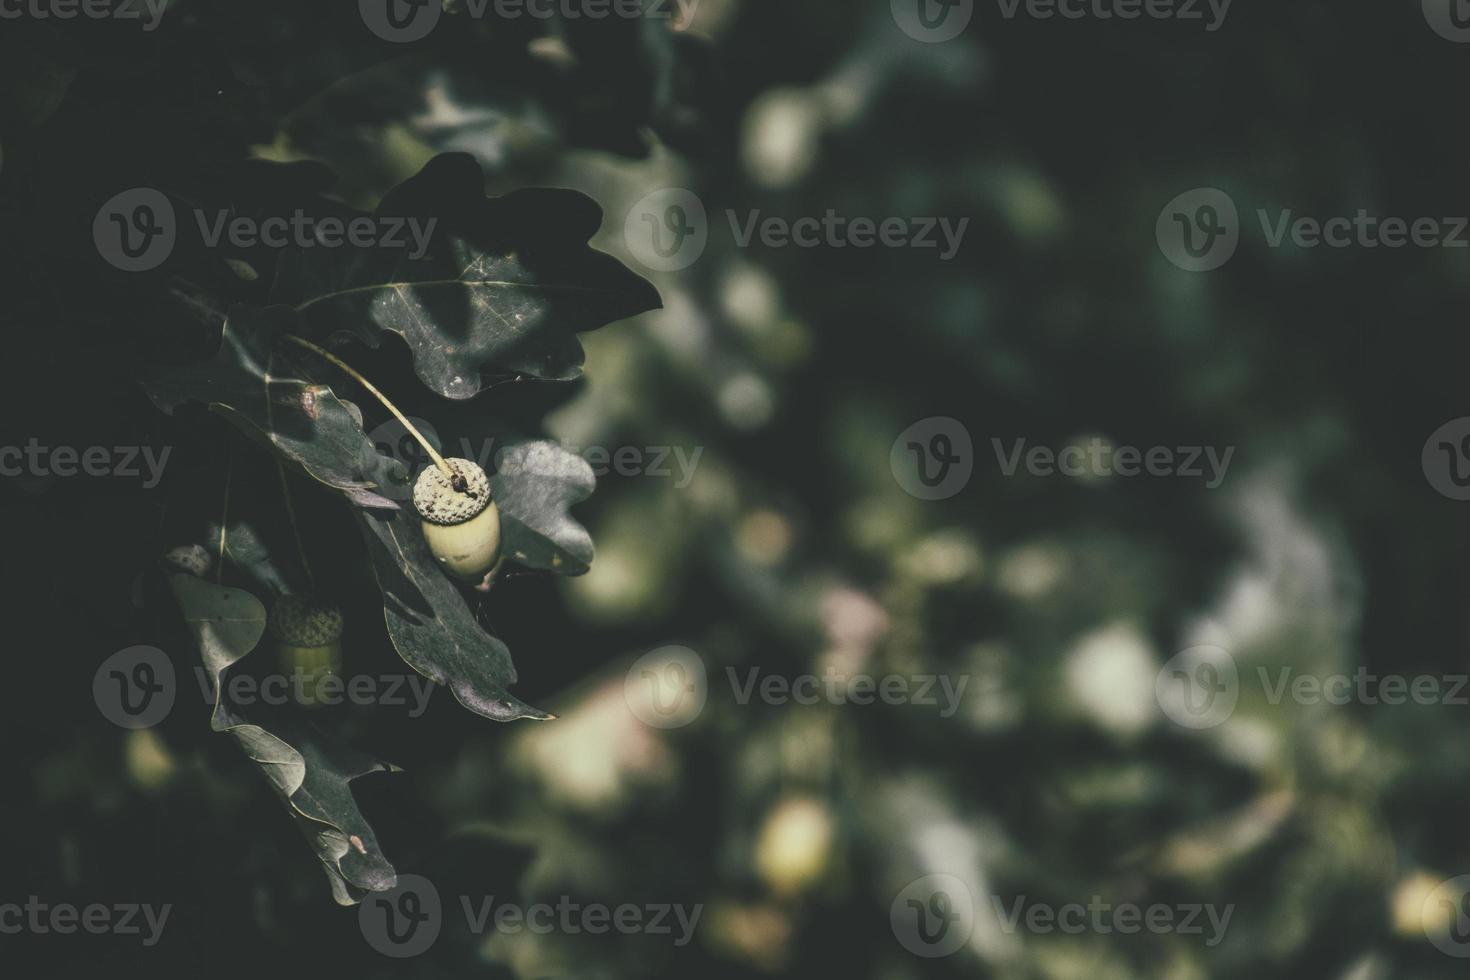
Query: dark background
x=1326, y=548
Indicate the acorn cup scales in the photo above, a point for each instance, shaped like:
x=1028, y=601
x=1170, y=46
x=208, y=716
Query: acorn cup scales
x=308, y=635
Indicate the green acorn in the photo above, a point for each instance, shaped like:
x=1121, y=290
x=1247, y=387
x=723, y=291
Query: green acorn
x=308, y=634
x=460, y=520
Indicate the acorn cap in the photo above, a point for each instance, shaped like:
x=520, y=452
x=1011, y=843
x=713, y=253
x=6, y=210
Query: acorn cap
x=305, y=622
x=439, y=503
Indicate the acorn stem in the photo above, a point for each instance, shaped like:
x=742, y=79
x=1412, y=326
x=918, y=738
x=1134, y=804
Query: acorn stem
x=224, y=518
x=295, y=528
x=453, y=477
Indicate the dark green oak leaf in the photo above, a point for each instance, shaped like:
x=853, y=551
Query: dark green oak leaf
x=432, y=626
x=503, y=287
x=255, y=384
x=534, y=484
x=311, y=771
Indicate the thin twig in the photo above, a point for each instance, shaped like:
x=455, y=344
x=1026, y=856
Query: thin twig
x=455, y=480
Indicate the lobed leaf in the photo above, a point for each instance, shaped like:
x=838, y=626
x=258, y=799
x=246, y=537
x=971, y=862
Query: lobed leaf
x=310, y=770
x=504, y=285
x=432, y=626
x=257, y=388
